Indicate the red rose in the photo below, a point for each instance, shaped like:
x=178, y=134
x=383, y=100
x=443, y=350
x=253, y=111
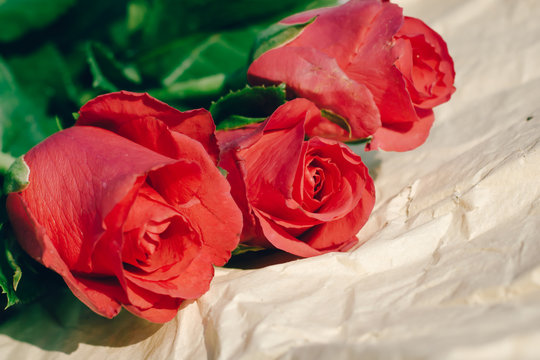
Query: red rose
x=424, y=62
x=134, y=218
x=304, y=197
x=364, y=62
x=428, y=71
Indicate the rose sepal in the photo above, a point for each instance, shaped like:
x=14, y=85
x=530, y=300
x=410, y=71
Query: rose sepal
x=17, y=176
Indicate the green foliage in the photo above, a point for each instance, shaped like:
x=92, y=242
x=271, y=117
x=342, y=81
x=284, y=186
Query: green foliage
x=344, y=124
x=247, y=106
x=22, y=280
x=205, y=51
x=243, y=249
x=20, y=16
x=49, y=84
x=360, y=141
x=193, y=16
x=10, y=271
x=109, y=74
x=337, y=119
x=22, y=122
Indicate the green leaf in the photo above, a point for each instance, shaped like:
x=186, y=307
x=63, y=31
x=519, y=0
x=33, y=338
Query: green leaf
x=23, y=123
x=191, y=54
x=201, y=67
x=178, y=63
x=338, y=120
x=237, y=121
x=276, y=35
x=360, y=141
x=22, y=279
x=242, y=249
x=198, y=56
x=20, y=16
x=49, y=76
x=246, y=106
x=217, y=54
x=223, y=171
x=136, y=13
x=49, y=84
x=191, y=89
x=192, y=16
x=344, y=124
x=108, y=73
x=10, y=272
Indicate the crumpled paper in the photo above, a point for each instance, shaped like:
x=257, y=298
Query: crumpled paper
x=450, y=262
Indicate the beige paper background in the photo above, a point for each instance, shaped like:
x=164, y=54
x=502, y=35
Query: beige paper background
x=451, y=264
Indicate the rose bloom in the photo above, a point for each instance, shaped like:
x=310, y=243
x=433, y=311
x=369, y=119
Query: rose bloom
x=128, y=206
x=364, y=61
x=304, y=197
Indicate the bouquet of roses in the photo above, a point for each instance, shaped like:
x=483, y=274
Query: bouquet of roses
x=135, y=203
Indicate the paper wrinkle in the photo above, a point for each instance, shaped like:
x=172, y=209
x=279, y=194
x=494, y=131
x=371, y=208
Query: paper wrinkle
x=449, y=267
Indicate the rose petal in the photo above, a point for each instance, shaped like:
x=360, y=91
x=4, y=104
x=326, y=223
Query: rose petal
x=312, y=74
x=142, y=118
x=429, y=44
x=285, y=126
x=35, y=241
x=157, y=238
x=212, y=210
x=403, y=138
x=194, y=280
x=91, y=170
x=329, y=236
x=340, y=31
x=151, y=306
x=89, y=215
x=282, y=240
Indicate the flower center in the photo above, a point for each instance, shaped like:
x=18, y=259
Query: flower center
x=318, y=182
x=155, y=234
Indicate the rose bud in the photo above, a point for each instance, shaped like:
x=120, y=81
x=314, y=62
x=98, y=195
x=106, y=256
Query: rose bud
x=424, y=62
x=134, y=215
x=362, y=61
x=303, y=197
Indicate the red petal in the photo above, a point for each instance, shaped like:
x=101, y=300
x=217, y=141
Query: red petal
x=191, y=283
x=282, y=240
x=269, y=164
x=142, y=119
x=332, y=236
x=35, y=241
x=373, y=65
x=257, y=153
x=342, y=30
x=321, y=126
x=210, y=208
x=83, y=182
x=235, y=177
x=77, y=177
x=313, y=75
x=151, y=306
x=432, y=45
x=158, y=241
x=405, y=137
